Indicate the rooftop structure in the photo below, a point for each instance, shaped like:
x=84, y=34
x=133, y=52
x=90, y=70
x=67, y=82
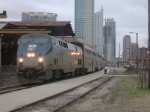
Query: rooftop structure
x=38, y=16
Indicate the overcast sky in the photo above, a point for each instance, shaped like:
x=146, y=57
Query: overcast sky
x=130, y=15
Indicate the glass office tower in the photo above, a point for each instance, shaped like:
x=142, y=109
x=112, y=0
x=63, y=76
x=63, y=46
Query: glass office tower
x=84, y=20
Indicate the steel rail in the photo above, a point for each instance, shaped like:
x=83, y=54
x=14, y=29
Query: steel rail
x=80, y=96
x=11, y=89
x=58, y=107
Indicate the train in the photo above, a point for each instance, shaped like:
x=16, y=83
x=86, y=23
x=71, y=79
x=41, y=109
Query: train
x=41, y=57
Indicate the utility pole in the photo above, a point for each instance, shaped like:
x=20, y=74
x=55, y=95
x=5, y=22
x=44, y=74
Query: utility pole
x=137, y=48
x=129, y=56
x=149, y=44
x=123, y=55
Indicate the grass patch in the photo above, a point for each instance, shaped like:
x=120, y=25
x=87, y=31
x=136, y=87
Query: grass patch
x=124, y=73
x=137, y=92
x=112, y=99
x=113, y=93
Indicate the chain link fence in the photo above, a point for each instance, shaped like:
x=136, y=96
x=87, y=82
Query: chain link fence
x=8, y=75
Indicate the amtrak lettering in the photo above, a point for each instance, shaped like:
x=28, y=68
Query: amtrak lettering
x=31, y=47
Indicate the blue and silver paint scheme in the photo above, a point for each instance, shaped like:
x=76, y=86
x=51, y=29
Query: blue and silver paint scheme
x=43, y=57
x=34, y=51
x=38, y=44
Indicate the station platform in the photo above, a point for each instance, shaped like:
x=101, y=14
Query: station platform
x=18, y=99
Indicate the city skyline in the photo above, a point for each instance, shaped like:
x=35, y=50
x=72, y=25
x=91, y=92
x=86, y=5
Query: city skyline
x=130, y=16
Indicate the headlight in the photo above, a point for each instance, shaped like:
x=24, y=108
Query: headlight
x=40, y=59
x=20, y=60
x=31, y=55
x=78, y=53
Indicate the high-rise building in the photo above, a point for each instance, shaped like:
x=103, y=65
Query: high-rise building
x=110, y=34
x=143, y=51
x=133, y=51
x=38, y=16
x=126, y=47
x=110, y=52
x=98, y=31
x=84, y=20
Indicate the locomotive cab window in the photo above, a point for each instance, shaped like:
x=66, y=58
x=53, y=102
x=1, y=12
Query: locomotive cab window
x=60, y=43
x=25, y=40
x=76, y=48
x=79, y=62
x=41, y=40
x=64, y=44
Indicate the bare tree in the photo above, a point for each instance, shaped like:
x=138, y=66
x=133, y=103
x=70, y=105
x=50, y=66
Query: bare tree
x=146, y=41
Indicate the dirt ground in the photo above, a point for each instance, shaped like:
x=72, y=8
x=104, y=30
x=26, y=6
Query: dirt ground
x=120, y=94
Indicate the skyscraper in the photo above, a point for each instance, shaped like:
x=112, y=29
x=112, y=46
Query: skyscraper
x=143, y=51
x=84, y=20
x=110, y=34
x=126, y=47
x=133, y=50
x=109, y=52
x=98, y=31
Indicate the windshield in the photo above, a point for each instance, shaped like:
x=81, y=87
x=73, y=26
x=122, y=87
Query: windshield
x=25, y=40
x=38, y=43
x=35, y=40
x=40, y=40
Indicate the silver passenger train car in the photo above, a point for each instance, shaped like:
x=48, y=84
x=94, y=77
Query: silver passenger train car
x=92, y=61
x=41, y=57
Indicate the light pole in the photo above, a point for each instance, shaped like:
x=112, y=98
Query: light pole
x=149, y=44
x=123, y=58
x=129, y=54
x=119, y=55
x=137, y=46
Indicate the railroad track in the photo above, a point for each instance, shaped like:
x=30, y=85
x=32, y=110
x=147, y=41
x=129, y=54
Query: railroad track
x=61, y=100
x=16, y=88
x=11, y=89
